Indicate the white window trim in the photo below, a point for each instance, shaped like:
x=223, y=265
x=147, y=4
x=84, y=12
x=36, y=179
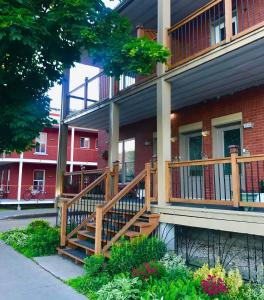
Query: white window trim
x=89, y=142
x=44, y=177
x=42, y=143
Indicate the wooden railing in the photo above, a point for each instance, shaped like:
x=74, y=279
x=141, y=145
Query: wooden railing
x=75, y=182
x=119, y=214
x=78, y=211
x=218, y=22
x=233, y=181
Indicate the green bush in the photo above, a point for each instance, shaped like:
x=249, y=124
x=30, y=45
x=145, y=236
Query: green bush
x=38, y=239
x=147, y=270
x=250, y=292
x=127, y=255
x=88, y=285
x=94, y=264
x=121, y=289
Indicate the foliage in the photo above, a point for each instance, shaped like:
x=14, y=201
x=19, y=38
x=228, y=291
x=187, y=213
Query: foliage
x=147, y=270
x=204, y=271
x=126, y=255
x=88, y=285
x=38, y=239
x=39, y=39
x=93, y=265
x=233, y=282
x=121, y=289
x=250, y=292
x=214, y=286
x=173, y=289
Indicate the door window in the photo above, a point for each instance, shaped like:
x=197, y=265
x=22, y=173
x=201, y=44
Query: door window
x=195, y=153
x=231, y=137
x=39, y=180
x=127, y=160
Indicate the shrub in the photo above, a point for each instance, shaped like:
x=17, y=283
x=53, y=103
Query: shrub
x=87, y=285
x=94, y=264
x=213, y=286
x=127, y=255
x=38, y=239
x=250, y=292
x=173, y=289
x=234, y=282
x=147, y=270
x=121, y=289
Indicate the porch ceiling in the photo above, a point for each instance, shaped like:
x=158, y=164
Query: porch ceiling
x=234, y=71
x=147, y=14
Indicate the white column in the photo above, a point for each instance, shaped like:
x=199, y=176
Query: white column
x=113, y=138
x=63, y=134
x=19, y=182
x=163, y=104
x=72, y=148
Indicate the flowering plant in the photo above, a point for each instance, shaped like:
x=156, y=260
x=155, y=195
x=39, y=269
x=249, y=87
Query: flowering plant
x=147, y=270
x=213, y=286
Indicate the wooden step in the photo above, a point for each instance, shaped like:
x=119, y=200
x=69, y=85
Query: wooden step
x=90, y=235
x=141, y=224
x=87, y=245
x=132, y=234
x=75, y=254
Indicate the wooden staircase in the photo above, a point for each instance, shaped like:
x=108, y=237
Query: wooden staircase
x=85, y=232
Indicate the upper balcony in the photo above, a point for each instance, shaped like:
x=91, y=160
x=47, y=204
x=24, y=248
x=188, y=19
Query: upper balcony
x=223, y=32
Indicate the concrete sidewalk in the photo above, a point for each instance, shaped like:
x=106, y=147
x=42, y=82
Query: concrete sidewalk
x=27, y=213
x=22, y=279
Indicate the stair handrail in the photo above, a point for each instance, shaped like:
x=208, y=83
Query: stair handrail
x=65, y=203
x=102, y=209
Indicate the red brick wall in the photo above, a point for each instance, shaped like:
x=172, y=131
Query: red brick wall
x=102, y=147
x=250, y=102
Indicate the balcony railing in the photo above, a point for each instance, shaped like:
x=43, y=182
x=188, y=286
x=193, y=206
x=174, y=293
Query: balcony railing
x=234, y=181
x=216, y=23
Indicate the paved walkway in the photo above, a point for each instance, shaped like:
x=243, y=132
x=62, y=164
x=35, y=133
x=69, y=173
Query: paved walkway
x=27, y=213
x=22, y=279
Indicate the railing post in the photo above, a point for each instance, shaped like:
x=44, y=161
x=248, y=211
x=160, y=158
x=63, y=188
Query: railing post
x=147, y=185
x=228, y=20
x=116, y=177
x=63, y=231
x=155, y=179
x=107, y=184
x=98, y=228
x=235, y=175
x=85, y=92
x=81, y=185
x=168, y=180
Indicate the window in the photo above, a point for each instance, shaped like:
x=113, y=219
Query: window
x=127, y=160
x=39, y=180
x=2, y=179
x=41, y=143
x=218, y=29
x=84, y=142
x=96, y=143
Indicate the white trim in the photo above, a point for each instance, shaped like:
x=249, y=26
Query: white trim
x=72, y=142
x=228, y=119
x=191, y=127
x=49, y=162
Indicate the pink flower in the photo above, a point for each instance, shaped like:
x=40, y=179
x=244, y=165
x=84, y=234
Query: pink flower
x=213, y=286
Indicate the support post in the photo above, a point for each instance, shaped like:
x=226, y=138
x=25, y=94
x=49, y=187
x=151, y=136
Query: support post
x=116, y=177
x=140, y=31
x=107, y=184
x=147, y=186
x=63, y=231
x=113, y=134
x=98, y=228
x=72, y=148
x=164, y=23
x=81, y=186
x=228, y=20
x=63, y=136
x=19, y=184
x=168, y=180
x=235, y=175
x=163, y=136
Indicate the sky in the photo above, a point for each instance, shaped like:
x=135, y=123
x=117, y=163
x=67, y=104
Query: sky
x=78, y=74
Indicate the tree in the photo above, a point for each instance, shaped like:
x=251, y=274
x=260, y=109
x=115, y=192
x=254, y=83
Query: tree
x=39, y=39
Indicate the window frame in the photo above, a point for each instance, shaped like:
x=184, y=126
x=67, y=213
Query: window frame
x=44, y=179
x=40, y=143
x=89, y=142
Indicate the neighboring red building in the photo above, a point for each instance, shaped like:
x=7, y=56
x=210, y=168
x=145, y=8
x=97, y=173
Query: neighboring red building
x=36, y=169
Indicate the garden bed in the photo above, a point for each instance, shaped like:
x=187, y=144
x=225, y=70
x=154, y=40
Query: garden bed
x=39, y=238
x=142, y=269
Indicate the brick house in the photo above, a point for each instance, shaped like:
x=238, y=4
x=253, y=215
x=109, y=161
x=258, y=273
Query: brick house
x=36, y=169
x=199, y=119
